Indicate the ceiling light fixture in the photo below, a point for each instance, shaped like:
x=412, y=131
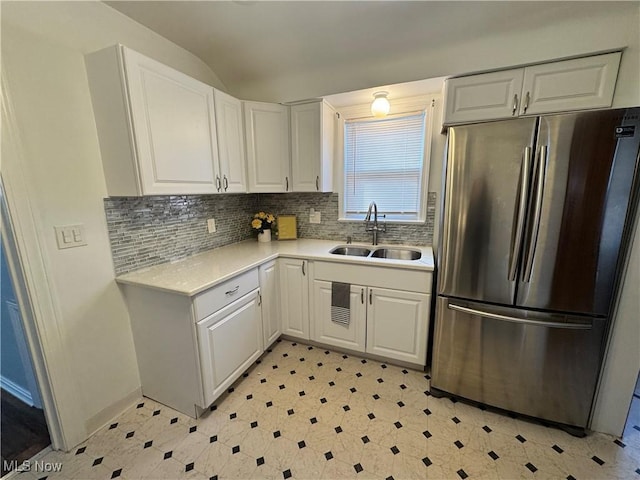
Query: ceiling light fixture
x=380, y=106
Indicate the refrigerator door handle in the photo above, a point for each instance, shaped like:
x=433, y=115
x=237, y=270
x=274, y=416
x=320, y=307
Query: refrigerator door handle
x=522, y=210
x=525, y=321
x=541, y=171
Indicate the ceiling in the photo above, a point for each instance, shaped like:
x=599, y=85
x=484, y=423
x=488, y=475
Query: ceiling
x=249, y=42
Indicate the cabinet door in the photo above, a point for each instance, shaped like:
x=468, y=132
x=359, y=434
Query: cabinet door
x=294, y=294
x=575, y=84
x=486, y=96
x=268, y=152
x=351, y=336
x=312, y=147
x=230, y=340
x=269, y=293
x=233, y=176
x=174, y=125
x=398, y=324
x=306, y=146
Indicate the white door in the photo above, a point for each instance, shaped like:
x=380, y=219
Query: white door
x=351, y=336
x=174, y=125
x=233, y=164
x=229, y=340
x=294, y=294
x=398, y=324
x=486, y=96
x=575, y=84
x=267, y=142
x=270, y=294
x=306, y=146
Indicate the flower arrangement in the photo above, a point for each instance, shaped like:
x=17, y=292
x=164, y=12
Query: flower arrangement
x=263, y=221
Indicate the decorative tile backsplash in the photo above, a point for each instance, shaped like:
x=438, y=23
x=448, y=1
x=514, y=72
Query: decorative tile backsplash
x=300, y=204
x=146, y=231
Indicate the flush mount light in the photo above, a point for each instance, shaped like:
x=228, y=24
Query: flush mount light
x=380, y=105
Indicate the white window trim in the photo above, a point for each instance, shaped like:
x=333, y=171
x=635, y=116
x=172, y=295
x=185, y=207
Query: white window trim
x=403, y=106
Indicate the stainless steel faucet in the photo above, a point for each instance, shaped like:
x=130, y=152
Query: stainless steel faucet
x=375, y=228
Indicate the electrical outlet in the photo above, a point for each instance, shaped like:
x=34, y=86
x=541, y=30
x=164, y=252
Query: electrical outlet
x=211, y=225
x=315, y=217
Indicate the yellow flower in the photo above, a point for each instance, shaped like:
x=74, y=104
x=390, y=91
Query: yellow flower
x=270, y=218
x=262, y=215
x=256, y=223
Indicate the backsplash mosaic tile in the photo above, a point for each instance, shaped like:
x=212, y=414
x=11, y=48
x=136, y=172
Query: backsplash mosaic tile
x=300, y=204
x=146, y=231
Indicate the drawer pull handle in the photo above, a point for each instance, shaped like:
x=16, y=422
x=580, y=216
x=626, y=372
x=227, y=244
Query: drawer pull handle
x=232, y=292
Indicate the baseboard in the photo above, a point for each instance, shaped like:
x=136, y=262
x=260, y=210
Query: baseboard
x=16, y=390
x=106, y=415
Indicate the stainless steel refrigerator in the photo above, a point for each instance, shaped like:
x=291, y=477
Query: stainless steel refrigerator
x=535, y=223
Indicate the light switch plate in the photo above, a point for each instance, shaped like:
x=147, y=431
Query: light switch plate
x=69, y=236
x=211, y=225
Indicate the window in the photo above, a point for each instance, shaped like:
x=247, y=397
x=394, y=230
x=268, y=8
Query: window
x=384, y=162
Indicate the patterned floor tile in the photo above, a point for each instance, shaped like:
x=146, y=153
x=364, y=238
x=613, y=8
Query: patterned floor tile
x=308, y=412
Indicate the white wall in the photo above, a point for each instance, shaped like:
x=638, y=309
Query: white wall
x=86, y=333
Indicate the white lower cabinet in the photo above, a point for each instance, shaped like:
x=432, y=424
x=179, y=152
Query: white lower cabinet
x=190, y=349
x=270, y=304
x=398, y=324
x=294, y=297
x=388, y=322
x=230, y=340
x=326, y=330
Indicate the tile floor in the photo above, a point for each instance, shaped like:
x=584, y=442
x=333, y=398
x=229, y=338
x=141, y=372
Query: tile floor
x=306, y=412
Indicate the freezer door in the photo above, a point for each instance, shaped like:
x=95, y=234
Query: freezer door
x=535, y=364
x=581, y=187
x=487, y=179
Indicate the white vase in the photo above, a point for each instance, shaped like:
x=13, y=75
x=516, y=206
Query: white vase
x=265, y=236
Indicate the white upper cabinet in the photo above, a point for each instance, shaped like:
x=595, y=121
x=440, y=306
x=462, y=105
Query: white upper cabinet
x=312, y=147
x=578, y=84
x=482, y=97
x=233, y=172
x=156, y=125
x=267, y=142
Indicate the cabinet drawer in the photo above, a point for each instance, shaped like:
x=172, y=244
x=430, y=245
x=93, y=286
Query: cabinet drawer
x=222, y=295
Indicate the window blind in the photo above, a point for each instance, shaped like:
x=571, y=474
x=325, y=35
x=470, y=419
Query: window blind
x=383, y=161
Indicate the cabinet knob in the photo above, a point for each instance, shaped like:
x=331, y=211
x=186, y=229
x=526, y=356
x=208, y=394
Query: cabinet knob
x=218, y=183
x=317, y=183
x=226, y=183
x=286, y=179
x=515, y=104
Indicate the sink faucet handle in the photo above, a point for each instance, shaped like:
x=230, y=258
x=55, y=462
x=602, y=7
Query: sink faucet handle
x=348, y=239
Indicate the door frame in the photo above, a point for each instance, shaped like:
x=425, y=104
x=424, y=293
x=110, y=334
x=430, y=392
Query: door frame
x=20, y=235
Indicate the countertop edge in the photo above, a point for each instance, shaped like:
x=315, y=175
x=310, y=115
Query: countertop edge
x=127, y=280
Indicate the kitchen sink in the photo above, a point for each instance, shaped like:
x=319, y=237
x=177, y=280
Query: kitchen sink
x=397, y=253
x=355, y=251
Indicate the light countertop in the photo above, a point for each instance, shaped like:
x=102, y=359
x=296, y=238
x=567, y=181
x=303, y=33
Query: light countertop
x=197, y=273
